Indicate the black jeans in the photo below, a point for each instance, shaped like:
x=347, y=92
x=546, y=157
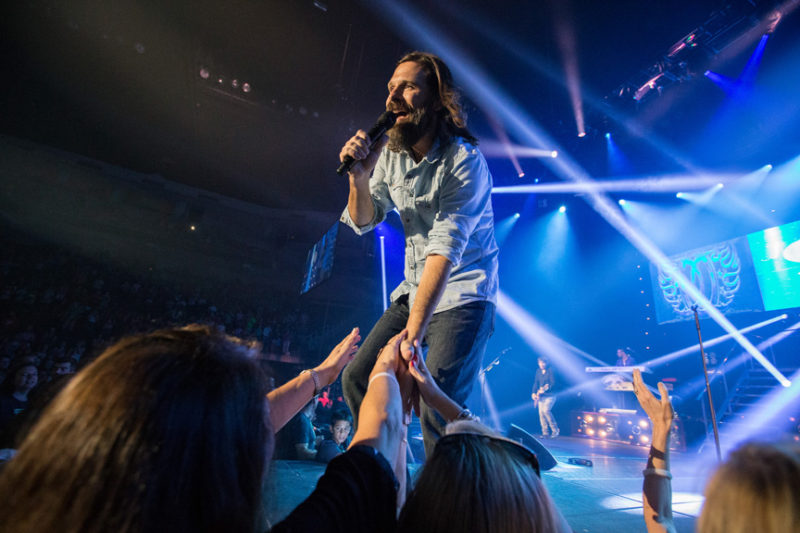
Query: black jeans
x=456, y=340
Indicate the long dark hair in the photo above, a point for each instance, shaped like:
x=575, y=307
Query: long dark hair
x=476, y=484
x=453, y=119
x=167, y=431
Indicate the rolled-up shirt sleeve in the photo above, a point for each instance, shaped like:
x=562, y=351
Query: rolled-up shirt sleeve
x=381, y=200
x=465, y=193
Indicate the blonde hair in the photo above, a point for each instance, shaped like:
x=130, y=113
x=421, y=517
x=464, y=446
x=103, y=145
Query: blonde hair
x=756, y=489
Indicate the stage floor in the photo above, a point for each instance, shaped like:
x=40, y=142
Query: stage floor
x=605, y=497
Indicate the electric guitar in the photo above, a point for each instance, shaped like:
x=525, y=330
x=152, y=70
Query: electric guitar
x=535, y=395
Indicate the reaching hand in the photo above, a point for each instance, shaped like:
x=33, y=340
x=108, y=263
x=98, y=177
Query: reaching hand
x=342, y=354
x=425, y=382
x=659, y=411
x=390, y=360
x=409, y=349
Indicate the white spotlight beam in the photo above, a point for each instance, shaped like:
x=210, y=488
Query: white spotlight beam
x=613, y=216
x=479, y=84
x=541, y=340
x=645, y=184
x=666, y=358
x=490, y=148
x=731, y=364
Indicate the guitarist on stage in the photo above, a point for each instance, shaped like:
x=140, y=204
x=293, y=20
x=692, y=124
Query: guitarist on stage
x=543, y=398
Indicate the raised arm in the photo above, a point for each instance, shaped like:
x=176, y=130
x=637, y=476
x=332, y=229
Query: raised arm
x=386, y=405
x=287, y=400
x=657, y=485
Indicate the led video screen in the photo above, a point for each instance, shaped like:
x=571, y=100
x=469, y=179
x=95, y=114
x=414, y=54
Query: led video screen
x=759, y=272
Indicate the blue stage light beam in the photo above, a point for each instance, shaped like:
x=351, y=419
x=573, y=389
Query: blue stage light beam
x=703, y=197
x=503, y=228
x=566, y=41
x=695, y=348
x=556, y=240
x=725, y=83
x=613, y=216
x=505, y=142
x=774, y=410
x=748, y=74
x=531, y=58
x=697, y=384
x=542, y=341
x=652, y=184
x=491, y=407
x=666, y=225
x=750, y=183
x=416, y=28
x=490, y=148
x=617, y=162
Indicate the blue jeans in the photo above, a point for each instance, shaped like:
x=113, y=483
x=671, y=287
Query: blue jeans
x=546, y=417
x=456, y=340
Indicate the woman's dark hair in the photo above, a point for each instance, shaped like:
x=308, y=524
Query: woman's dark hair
x=453, y=121
x=167, y=431
x=478, y=484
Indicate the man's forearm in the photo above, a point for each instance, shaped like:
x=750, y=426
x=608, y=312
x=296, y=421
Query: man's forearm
x=431, y=287
x=359, y=204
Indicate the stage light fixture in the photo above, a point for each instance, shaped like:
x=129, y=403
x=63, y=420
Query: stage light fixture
x=608, y=135
x=204, y=73
x=581, y=134
x=601, y=420
x=554, y=154
x=521, y=174
x=562, y=209
x=621, y=201
x=246, y=87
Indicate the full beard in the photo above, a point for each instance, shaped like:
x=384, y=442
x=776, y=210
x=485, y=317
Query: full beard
x=405, y=134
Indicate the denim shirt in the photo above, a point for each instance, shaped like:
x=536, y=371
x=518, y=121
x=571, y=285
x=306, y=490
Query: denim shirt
x=444, y=202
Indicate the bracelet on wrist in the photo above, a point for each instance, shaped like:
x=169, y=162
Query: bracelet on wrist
x=379, y=374
x=315, y=379
x=657, y=472
x=466, y=414
x=657, y=454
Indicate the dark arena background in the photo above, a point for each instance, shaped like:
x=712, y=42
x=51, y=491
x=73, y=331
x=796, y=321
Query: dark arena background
x=172, y=162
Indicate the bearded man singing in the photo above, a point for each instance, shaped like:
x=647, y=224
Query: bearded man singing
x=428, y=168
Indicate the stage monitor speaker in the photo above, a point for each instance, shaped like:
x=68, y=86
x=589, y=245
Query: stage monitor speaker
x=546, y=459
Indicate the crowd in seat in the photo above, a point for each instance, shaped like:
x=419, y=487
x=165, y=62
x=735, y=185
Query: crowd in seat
x=62, y=309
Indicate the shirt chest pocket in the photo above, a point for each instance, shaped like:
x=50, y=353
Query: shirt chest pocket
x=426, y=206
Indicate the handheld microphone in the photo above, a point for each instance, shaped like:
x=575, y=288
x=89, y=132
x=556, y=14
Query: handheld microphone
x=384, y=122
